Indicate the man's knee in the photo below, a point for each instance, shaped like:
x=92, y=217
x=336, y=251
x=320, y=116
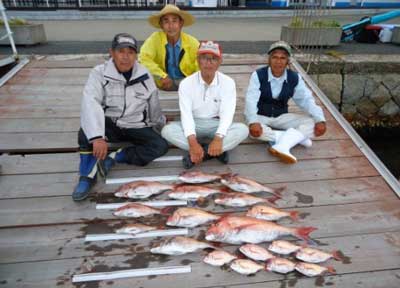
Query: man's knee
x=161, y=146
x=168, y=131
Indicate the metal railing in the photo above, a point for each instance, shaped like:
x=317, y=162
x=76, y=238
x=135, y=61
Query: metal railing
x=82, y=4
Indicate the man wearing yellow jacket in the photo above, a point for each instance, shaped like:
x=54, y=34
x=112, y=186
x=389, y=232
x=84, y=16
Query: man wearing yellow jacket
x=170, y=54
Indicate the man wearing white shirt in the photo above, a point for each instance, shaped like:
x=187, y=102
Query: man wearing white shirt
x=207, y=102
x=270, y=88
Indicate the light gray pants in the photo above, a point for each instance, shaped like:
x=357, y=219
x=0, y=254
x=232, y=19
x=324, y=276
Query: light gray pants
x=205, y=132
x=303, y=123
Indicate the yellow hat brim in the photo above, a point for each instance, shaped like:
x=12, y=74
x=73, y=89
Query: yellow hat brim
x=187, y=18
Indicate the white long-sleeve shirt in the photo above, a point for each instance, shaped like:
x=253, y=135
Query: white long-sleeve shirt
x=302, y=96
x=197, y=99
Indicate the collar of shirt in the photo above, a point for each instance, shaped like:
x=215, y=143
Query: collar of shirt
x=277, y=79
x=177, y=44
x=215, y=81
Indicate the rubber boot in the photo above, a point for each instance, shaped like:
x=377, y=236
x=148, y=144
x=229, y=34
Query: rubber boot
x=287, y=141
x=305, y=143
x=112, y=158
x=87, y=172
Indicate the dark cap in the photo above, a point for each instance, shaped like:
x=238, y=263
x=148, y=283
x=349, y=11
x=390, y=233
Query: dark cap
x=124, y=40
x=280, y=45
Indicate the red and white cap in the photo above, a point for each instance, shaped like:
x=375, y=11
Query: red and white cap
x=210, y=47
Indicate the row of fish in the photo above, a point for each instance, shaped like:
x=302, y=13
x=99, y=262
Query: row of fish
x=145, y=189
x=182, y=245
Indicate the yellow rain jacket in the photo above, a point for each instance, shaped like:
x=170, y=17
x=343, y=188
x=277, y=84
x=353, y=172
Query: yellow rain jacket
x=153, y=55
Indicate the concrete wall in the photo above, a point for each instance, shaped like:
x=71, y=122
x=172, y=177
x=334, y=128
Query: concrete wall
x=365, y=89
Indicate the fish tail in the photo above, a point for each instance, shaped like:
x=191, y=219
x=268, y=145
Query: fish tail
x=303, y=232
x=331, y=270
x=294, y=215
x=337, y=255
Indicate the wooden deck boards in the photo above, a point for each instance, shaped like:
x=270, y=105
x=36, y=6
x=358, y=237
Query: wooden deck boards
x=333, y=186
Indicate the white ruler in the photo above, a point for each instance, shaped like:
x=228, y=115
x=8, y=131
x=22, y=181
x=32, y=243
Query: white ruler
x=131, y=273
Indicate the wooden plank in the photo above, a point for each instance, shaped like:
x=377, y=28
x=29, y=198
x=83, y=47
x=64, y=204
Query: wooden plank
x=67, y=141
x=40, y=125
x=69, y=162
x=278, y=172
x=362, y=253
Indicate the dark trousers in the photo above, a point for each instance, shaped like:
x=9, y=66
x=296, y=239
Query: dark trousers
x=147, y=144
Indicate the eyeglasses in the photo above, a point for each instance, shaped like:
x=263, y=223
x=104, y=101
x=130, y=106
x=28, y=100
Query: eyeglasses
x=205, y=59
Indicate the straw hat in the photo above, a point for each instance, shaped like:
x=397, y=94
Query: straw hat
x=188, y=19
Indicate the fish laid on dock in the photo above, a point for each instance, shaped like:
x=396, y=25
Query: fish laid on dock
x=179, y=245
x=312, y=270
x=270, y=213
x=312, y=255
x=246, y=266
x=283, y=247
x=198, y=177
x=246, y=185
x=135, y=228
x=190, y=217
x=135, y=210
x=219, y=258
x=239, y=199
x=141, y=189
x=241, y=229
x=192, y=192
x=280, y=265
x=256, y=252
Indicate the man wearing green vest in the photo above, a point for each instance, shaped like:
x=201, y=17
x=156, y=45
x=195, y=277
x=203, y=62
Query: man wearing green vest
x=170, y=54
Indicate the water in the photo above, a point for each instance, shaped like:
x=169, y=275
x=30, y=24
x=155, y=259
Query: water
x=385, y=142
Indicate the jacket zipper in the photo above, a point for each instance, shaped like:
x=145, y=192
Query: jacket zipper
x=123, y=110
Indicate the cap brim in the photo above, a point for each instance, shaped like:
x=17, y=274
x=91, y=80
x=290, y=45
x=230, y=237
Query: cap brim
x=280, y=48
x=187, y=18
x=126, y=45
x=209, y=52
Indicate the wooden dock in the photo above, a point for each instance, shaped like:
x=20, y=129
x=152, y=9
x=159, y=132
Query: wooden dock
x=334, y=186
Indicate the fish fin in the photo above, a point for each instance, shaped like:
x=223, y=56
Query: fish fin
x=225, y=190
x=331, y=270
x=273, y=199
x=167, y=210
x=294, y=215
x=337, y=255
x=303, y=232
x=278, y=191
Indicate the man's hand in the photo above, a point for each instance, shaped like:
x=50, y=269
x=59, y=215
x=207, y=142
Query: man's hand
x=195, y=150
x=215, y=147
x=166, y=83
x=100, y=149
x=319, y=128
x=255, y=129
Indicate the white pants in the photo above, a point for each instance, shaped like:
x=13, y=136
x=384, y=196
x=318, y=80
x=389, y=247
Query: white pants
x=205, y=132
x=303, y=123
